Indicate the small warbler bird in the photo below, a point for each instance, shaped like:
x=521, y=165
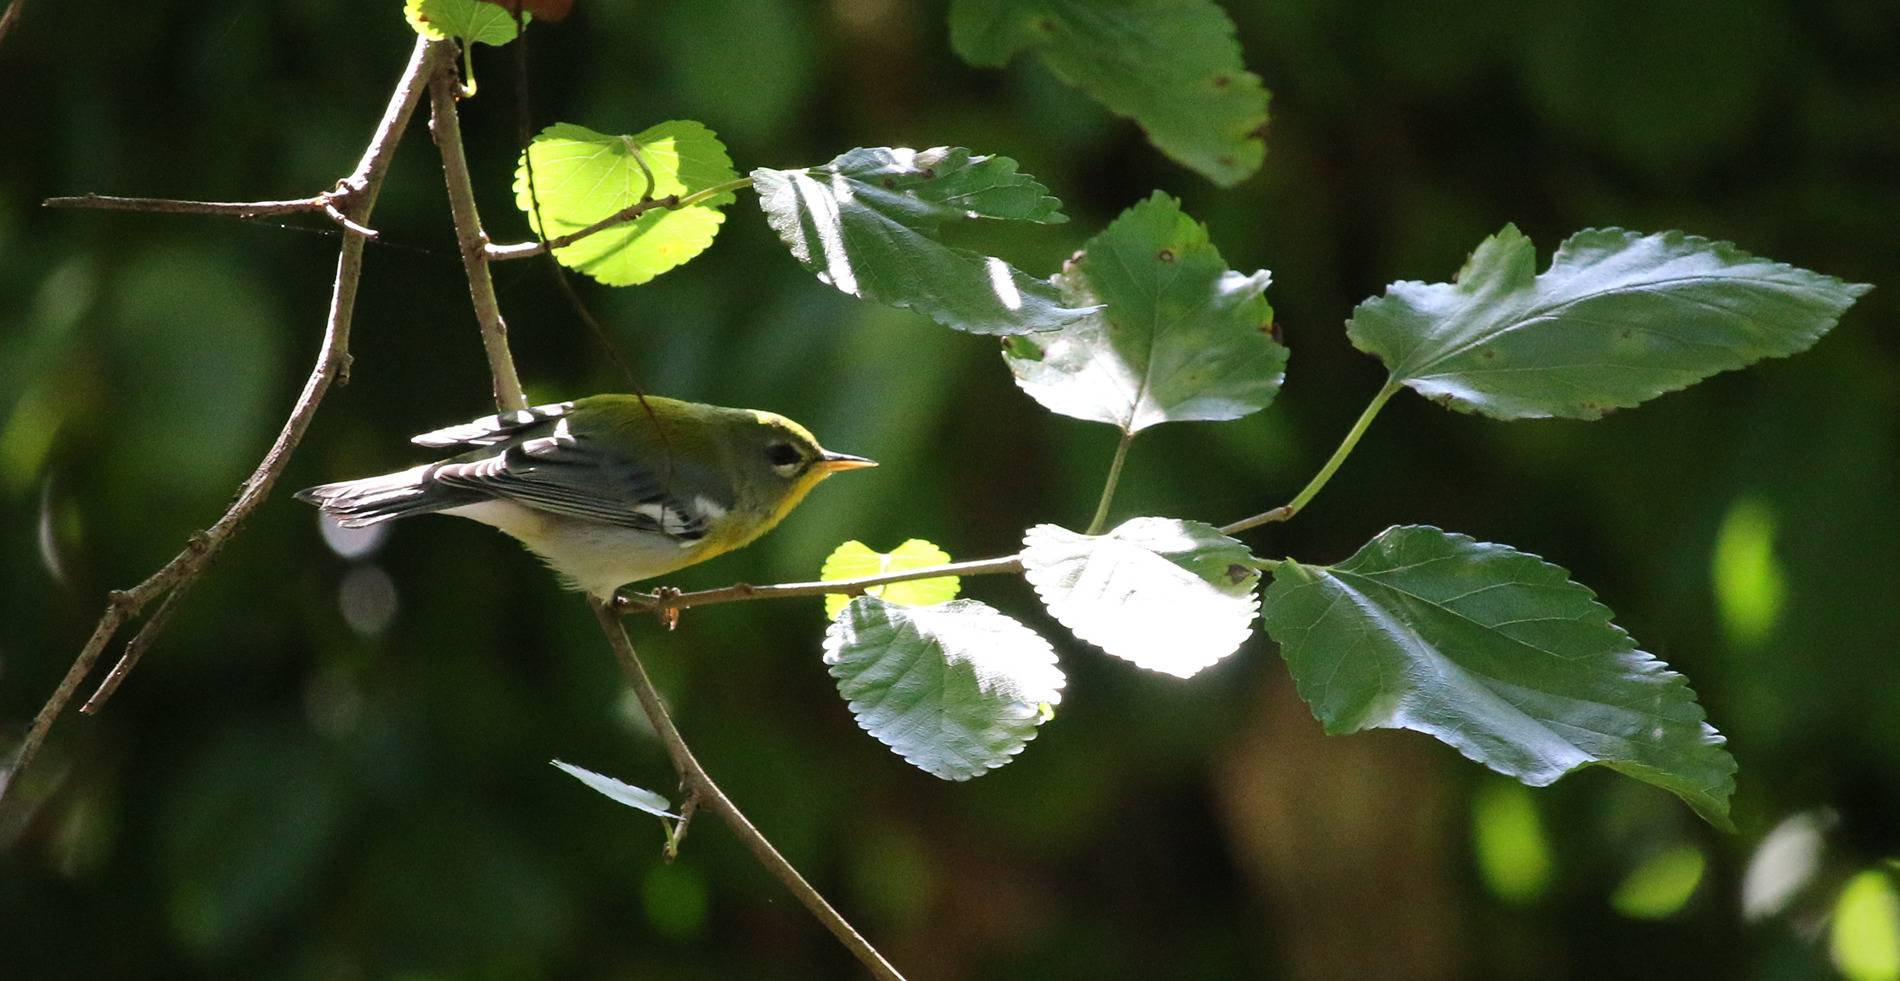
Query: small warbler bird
x=603, y=489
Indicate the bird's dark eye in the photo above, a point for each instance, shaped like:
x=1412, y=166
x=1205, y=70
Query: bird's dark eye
x=783, y=454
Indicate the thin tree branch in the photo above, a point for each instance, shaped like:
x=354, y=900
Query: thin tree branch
x=701, y=786
x=174, y=206
x=698, y=785
x=524, y=250
x=446, y=127
x=667, y=601
x=332, y=203
x=332, y=360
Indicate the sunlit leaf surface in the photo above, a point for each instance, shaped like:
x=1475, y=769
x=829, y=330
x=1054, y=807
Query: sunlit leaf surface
x=1177, y=336
x=956, y=689
x=1618, y=318
x=1496, y=653
x=1169, y=595
x=868, y=222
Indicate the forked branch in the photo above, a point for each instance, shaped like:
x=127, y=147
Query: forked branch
x=177, y=576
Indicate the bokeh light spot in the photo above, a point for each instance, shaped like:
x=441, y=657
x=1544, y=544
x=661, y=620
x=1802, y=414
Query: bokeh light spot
x=1750, y=588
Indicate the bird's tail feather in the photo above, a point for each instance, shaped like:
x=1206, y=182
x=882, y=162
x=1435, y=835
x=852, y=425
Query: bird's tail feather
x=372, y=500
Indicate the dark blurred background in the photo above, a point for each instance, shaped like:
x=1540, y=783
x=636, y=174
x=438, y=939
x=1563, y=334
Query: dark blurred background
x=334, y=764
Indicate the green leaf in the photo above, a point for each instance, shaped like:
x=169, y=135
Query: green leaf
x=855, y=560
x=1169, y=595
x=955, y=689
x=867, y=223
x=1173, y=65
x=1618, y=318
x=1178, y=335
x=1496, y=653
x=473, y=21
x=638, y=798
x=581, y=177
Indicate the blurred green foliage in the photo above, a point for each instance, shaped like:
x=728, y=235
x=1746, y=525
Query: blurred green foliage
x=292, y=788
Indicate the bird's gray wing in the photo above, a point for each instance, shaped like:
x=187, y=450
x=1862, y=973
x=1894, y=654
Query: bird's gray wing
x=493, y=430
x=550, y=470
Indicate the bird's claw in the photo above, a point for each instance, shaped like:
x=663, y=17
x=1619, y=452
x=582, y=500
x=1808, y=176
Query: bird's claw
x=669, y=616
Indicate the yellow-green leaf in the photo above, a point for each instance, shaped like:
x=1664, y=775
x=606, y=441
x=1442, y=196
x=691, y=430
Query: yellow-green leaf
x=582, y=177
x=855, y=560
x=473, y=21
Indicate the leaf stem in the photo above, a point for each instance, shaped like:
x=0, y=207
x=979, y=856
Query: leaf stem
x=1313, y=487
x=1108, y=488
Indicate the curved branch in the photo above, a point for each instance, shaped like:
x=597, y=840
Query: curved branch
x=183, y=570
x=700, y=786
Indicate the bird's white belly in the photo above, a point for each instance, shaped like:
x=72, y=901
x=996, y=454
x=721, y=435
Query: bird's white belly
x=593, y=557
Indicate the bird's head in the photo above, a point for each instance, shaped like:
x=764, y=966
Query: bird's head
x=781, y=461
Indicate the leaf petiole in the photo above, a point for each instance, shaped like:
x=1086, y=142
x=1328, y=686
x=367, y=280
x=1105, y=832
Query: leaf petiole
x=1108, y=487
x=1313, y=487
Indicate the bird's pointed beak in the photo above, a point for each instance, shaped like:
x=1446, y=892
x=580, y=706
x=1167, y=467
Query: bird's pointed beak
x=837, y=462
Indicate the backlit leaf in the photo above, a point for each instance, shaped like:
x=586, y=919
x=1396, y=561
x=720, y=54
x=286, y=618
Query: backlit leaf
x=581, y=177
x=473, y=21
x=855, y=560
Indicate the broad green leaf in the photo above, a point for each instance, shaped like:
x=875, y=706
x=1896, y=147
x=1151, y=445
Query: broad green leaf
x=956, y=689
x=1178, y=335
x=855, y=560
x=1169, y=595
x=473, y=21
x=1172, y=65
x=1496, y=653
x=638, y=798
x=1618, y=318
x=581, y=177
x=867, y=224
